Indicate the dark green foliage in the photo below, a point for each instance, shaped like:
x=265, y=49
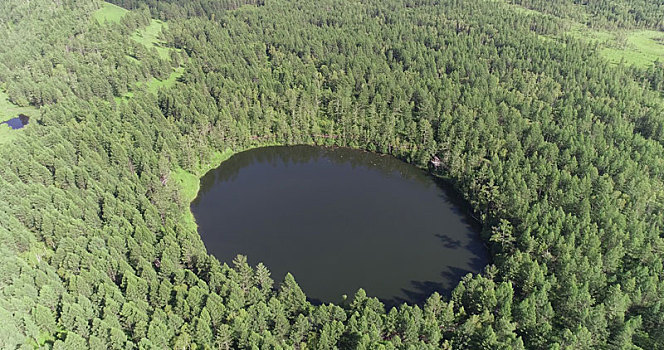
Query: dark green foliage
x=603, y=13
x=67, y=55
x=560, y=155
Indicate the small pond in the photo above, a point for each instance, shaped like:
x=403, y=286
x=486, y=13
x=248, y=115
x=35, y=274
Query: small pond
x=339, y=219
x=18, y=122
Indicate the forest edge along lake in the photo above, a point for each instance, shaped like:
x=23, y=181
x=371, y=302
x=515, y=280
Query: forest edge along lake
x=339, y=219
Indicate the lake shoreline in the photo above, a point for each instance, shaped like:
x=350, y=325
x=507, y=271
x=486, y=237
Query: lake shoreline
x=320, y=211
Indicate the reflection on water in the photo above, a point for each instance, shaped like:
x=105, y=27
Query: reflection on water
x=339, y=220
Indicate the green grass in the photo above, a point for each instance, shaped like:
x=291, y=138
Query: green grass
x=8, y=111
x=521, y=9
x=582, y=32
x=154, y=84
x=640, y=48
x=149, y=36
x=7, y=134
x=132, y=59
x=109, y=13
x=189, y=183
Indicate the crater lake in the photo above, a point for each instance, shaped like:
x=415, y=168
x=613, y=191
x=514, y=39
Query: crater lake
x=339, y=219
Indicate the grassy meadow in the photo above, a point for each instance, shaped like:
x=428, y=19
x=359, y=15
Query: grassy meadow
x=640, y=48
x=109, y=13
x=189, y=183
x=8, y=111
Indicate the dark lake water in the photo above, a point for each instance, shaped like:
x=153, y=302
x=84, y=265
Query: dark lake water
x=18, y=122
x=338, y=220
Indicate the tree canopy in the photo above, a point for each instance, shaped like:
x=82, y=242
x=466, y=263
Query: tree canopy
x=559, y=153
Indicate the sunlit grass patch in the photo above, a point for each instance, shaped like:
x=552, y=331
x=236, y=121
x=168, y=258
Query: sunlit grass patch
x=189, y=183
x=149, y=36
x=640, y=48
x=8, y=111
x=109, y=13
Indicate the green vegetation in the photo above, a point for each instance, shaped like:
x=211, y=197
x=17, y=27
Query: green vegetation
x=153, y=85
x=627, y=45
x=189, y=182
x=109, y=13
x=7, y=134
x=559, y=152
x=624, y=14
x=8, y=111
x=641, y=48
x=149, y=36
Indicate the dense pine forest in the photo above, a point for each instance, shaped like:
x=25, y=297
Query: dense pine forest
x=558, y=150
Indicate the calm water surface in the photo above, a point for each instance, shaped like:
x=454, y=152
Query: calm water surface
x=18, y=122
x=338, y=220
